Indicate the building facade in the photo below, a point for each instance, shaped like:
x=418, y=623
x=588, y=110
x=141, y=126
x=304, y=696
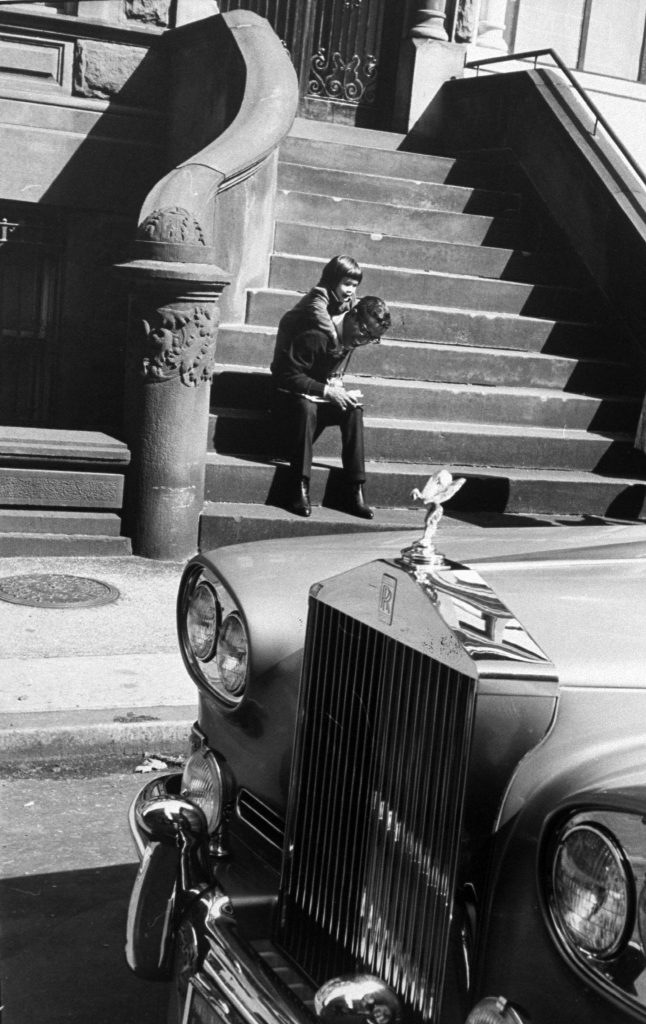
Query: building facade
x=89, y=129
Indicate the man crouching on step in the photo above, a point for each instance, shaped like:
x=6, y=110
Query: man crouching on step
x=309, y=395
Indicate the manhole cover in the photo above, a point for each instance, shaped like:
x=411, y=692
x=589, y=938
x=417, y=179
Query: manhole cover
x=54, y=590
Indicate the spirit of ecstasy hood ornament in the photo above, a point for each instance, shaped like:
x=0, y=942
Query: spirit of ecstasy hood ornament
x=437, y=490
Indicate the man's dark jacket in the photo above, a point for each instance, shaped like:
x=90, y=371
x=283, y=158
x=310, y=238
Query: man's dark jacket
x=305, y=356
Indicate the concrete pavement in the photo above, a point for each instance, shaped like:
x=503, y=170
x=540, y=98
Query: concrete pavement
x=103, y=680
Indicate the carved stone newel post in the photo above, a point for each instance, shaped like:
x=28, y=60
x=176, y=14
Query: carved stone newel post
x=172, y=329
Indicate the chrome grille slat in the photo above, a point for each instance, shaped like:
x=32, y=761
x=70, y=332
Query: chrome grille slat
x=373, y=831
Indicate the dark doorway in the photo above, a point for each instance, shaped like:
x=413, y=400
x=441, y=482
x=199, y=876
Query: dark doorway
x=30, y=247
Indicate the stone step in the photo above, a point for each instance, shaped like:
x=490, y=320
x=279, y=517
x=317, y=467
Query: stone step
x=249, y=432
x=386, y=155
x=385, y=397
x=33, y=444
x=252, y=485
x=405, y=221
x=352, y=156
x=427, y=288
x=337, y=133
x=243, y=345
x=442, y=257
x=463, y=327
x=50, y=521
x=370, y=185
x=62, y=489
x=224, y=523
x=50, y=545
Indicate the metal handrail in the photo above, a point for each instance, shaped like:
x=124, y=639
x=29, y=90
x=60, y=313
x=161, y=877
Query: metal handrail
x=599, y=119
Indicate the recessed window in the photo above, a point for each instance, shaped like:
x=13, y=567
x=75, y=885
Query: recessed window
x=604, y=37
x=614, y=38
x=548, y=24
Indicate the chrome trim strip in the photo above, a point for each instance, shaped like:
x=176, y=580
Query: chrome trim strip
x=238, y=973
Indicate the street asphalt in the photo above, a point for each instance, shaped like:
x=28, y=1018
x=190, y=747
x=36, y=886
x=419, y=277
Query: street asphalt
x=103, y=680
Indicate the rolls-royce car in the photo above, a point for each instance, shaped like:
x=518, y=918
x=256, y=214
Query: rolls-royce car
x=416, y=786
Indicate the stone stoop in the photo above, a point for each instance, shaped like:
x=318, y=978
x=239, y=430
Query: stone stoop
x=61, y=493
x=503, y=362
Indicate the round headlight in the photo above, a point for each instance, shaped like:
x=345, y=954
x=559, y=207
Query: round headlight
x=202, y=784
x=202, y=620
x=231, y=656
x=592, y=896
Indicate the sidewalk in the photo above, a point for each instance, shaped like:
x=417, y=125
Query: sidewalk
x=105, y=680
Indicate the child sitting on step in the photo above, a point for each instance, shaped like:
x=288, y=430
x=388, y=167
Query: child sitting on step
x=334, y=295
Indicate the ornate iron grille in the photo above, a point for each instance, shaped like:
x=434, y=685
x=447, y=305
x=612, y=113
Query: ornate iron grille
x=373, y=834
x=345, y=51
x=337, y=46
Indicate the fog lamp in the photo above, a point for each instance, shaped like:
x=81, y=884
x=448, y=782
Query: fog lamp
x=494, y=1010
x=204, y=785
x=592, y=898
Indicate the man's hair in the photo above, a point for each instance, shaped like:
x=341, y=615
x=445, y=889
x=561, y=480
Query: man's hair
x=371, y=305
x=338, y=268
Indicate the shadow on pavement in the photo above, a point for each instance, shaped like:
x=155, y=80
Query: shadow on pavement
x=63, y=950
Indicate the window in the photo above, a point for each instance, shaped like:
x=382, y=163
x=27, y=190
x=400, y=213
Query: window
x=604, y=37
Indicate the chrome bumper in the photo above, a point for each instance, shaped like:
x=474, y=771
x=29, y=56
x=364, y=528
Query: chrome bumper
x=162, y=785
x=151, y=911
x=232, y=981
x=228, y=981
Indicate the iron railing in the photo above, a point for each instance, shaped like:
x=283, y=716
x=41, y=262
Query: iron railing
x=598, y=118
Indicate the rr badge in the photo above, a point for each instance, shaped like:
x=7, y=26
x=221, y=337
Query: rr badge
x=387, y=598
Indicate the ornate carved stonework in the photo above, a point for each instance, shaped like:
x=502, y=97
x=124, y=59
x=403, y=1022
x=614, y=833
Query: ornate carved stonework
x=152, y=12
x=174, y=225
x=177, y=341
x=466, y=22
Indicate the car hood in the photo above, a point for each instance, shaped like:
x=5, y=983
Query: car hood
x=578, y=590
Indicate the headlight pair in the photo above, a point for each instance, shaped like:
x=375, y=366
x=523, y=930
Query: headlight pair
x=212, y=635
x=596, y=894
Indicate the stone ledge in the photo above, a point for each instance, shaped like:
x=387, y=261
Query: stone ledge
x=76, y=446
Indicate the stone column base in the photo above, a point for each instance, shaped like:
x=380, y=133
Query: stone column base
x=173, y=321
x=424, y=66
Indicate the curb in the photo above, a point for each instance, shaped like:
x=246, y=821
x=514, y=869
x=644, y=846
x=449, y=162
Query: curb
x=154, y=730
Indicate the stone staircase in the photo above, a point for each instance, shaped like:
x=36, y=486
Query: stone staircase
x=503, y=362
x=61, y=493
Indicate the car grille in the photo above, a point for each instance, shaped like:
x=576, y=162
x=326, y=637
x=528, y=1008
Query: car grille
x=377, y=794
